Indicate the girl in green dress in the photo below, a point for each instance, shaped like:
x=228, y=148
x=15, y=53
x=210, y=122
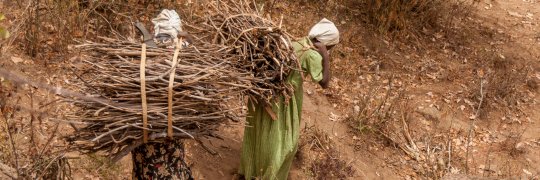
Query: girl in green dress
x=270, y=145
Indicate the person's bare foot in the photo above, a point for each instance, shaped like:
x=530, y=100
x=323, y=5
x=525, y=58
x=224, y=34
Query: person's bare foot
x=237, y=176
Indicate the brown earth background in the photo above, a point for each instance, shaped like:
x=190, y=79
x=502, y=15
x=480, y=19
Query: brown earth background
x=450, y=91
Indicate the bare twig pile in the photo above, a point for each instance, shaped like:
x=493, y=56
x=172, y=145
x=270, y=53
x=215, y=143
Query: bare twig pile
x=265, y=47
x=205, y=79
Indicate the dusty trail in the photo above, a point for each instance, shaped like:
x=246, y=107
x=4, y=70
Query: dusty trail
x=518, y=19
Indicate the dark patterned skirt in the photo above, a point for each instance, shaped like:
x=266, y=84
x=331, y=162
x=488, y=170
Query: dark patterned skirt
x=160, y=160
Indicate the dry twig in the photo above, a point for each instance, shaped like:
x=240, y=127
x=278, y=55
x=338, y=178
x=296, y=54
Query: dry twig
x=471, y=125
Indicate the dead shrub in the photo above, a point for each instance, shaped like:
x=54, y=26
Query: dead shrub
x=26, y=143
x=48, y=168
x=391, y=120
x=502, y=78
x=431, y=153
x=375, y=109
x=513, y=144
x=330, y=168
x=48, y=27
x=327, y=163
x=397, y=15
x=504, y=86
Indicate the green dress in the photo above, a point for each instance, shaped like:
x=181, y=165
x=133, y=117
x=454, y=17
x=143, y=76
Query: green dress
x=270, y=145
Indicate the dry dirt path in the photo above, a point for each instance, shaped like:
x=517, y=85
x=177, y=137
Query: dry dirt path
x=519, y=19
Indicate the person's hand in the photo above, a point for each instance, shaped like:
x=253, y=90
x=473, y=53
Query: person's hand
x=186, y=36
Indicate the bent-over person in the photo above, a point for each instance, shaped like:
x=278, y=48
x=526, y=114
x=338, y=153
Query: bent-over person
x=270, y=145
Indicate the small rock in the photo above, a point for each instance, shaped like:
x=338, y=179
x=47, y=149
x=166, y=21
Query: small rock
x=520, y=146
x=527, y=172
x=529, y=15
x=482, y=167
x=334, y=117
x=357, y=109
x=515, y=14
x=16, y=60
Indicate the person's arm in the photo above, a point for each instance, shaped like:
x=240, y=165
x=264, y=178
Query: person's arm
x=186, y=36
x=325, y=64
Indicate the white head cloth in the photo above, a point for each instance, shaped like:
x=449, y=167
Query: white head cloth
x=326, y=32
x=167, y=22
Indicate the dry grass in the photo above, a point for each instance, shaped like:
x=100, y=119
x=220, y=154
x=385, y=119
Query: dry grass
x=30, y=156
x=97, y=165
x=398, y=15
x=390, y=119
x=330, y=168
x=375, y=109
x=513, y=144
x=38, y=30
x=55, y=167
x=28, y=144
x=431, y=153
x=504, y=76
x=327, y=163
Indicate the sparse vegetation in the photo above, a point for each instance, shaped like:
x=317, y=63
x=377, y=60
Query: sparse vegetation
x=417, y=15
x=429, y=155
x=376, y=109
x=395, y=58
x=327, y=163
x=503, y=80
x=21, y=151
x=43, y=34
x=104, y=167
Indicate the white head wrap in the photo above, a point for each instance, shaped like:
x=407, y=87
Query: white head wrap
x=326, y=32
x=167, y=22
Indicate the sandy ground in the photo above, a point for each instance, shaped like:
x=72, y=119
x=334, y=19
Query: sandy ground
x=516, y=19
x=505, y=142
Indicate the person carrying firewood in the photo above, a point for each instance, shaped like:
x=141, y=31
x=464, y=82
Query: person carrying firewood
x=163, y=159
x=270, y=145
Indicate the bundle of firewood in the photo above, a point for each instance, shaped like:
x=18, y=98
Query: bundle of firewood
x=265, y=47
x=243, y=54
